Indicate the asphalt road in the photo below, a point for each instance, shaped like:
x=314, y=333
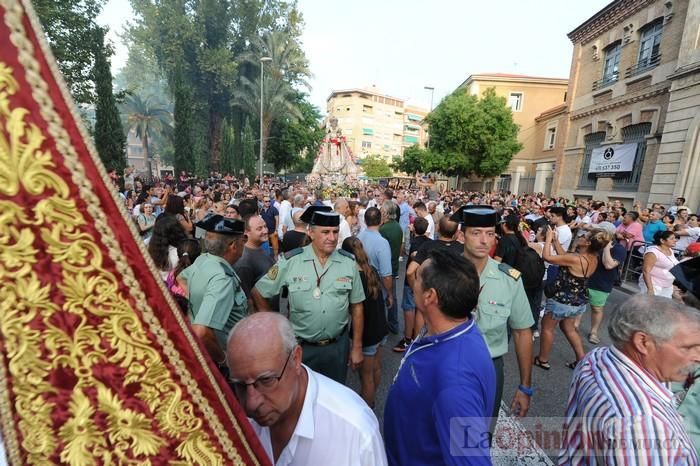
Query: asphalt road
x=551, y=387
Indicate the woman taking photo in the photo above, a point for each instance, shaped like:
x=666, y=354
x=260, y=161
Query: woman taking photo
x=567, y=296
x=375, y=328
x=656, y=278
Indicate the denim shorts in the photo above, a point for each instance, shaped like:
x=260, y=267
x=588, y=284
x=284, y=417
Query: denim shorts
x=561, y=311
x=408, y=302
x=371, y=350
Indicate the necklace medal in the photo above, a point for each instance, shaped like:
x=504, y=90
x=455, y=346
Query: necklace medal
x=317, y=290
x=317, y=293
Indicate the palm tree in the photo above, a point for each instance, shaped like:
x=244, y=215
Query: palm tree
x=148, y=119
x=288, y=68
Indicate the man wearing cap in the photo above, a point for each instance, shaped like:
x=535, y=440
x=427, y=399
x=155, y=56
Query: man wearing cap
x=503, y=303
x=216, y=298
x=323, y=283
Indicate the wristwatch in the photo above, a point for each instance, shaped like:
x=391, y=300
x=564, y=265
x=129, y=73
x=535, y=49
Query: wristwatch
x=526, y=390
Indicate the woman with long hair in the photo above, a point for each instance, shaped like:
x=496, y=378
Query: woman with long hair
x=656, y=278
x=567, y=296
x=167, y=234
x=175, y=205
x=375, y=327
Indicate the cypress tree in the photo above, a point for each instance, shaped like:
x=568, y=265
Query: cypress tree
x=110, y=140
x=183, y=145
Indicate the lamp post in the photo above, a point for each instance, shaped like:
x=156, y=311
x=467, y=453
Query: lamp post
x=432, y=93
x=262, y=75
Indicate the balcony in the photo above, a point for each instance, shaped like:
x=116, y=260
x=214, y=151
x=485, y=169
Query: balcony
x=643, y=65
x=606, y=81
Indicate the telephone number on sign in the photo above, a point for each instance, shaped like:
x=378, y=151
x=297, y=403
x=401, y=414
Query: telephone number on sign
x=611, y=167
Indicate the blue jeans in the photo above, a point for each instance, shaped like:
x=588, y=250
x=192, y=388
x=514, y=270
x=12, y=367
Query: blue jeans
x=392, y=313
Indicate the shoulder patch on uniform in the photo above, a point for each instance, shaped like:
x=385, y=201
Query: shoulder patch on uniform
x=293, y=252
x=272, y=273
x=510, y=271
x=346, y=254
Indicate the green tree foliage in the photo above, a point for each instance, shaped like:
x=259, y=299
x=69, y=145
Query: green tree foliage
x=471, y=135
x=148, y=119
x=293, y=140
x=183, y=144
x=288, y=68
x=248, y=158
x=228, y=149
x=415, y=159
x=70, y=28
x=375, y=166
x=109, y=133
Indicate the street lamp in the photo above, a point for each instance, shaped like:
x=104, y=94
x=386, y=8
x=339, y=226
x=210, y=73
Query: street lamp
x=432, y=93
x=262, y=75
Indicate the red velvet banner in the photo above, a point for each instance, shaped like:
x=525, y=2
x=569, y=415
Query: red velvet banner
x=97, y=365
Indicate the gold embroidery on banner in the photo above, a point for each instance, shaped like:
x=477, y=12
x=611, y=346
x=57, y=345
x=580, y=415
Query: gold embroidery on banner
x=13, y=19
x=92, y=328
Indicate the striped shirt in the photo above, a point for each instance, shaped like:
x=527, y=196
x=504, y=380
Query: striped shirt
x=619, y=414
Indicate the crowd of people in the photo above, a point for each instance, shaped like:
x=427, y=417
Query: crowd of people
x=484, y=272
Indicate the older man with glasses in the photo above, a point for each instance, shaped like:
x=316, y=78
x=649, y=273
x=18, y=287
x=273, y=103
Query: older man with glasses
x=300, y=416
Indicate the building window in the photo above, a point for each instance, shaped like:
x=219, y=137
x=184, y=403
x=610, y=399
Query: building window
x=367, y=108
x=515, y=101
x=591, y=141
x=368, y=131
x=611, y=67
x=366, y=145
x=550, y=137
x=631, y=134
x=649, y=45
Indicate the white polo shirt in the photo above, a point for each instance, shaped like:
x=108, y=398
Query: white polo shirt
x=335, y=427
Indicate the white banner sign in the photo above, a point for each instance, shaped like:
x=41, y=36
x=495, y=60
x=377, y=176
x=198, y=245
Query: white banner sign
x=618, y=158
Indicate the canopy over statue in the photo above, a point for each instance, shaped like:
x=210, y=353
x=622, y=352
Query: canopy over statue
x=334, y=162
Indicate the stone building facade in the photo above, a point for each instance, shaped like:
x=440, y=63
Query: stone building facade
x=620, y=87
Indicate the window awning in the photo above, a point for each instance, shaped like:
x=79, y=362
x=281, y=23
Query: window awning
x=413, y=117
x=411, y=139
x=368, y=131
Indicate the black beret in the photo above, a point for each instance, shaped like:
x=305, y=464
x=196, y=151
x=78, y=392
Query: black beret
x=308, y=214
x=218, y=224
x=687, y=274
x=325, y=219
x=476, y=216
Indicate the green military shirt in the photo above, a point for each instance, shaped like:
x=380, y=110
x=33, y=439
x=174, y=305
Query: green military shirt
x=315, y=319
x=502, y=303
x=215, y=295
x=689, y=408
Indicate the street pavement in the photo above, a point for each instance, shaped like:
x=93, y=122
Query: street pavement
x=551, y=387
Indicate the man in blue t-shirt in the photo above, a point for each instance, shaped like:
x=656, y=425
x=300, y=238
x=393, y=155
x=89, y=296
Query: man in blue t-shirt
x=601, y=283
x=438, y=409
x=652, y=226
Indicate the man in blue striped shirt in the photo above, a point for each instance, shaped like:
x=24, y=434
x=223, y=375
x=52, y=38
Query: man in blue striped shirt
x=620, y=411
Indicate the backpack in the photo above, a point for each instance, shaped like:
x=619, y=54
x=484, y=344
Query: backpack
x=531, y=266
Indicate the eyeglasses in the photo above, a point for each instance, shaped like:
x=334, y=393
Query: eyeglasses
x=263, y=384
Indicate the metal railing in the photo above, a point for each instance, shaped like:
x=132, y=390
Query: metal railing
x=632, y=268
x=606, y=81
x=643, y=65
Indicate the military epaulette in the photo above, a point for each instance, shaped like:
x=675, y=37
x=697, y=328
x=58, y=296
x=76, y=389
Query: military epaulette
x=294, y=252
x=346, y=254
x=510, y=271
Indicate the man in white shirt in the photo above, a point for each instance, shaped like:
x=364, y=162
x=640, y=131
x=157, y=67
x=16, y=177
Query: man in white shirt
x=688, y=233
x=300, y=416
x=421, y=210
x=582, y=222
x=342, y=207
x=285, y=211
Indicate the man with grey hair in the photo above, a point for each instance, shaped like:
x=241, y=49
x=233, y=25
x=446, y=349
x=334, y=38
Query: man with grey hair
x=300, y=416
x=216, y=298
x=619, y=409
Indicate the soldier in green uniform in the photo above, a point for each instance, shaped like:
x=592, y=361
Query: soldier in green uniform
x=502, y=304
x=216, y=299
x=323, y=284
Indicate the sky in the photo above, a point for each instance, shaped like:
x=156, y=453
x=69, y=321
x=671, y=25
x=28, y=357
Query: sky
x=401, y=46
